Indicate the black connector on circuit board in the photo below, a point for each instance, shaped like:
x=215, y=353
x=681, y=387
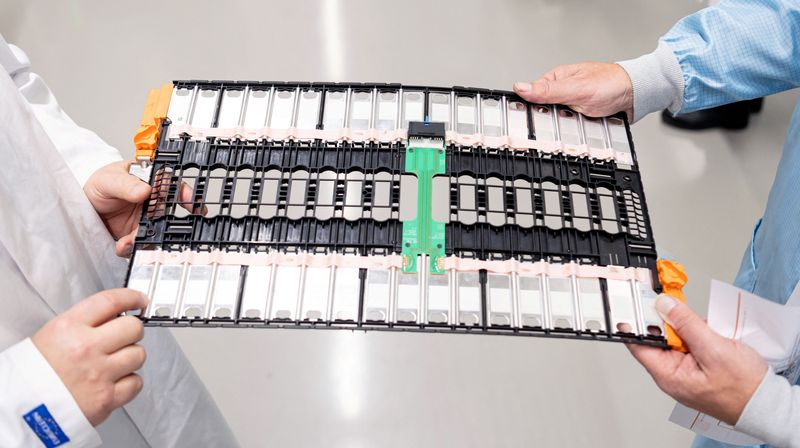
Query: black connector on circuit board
x=426, y=129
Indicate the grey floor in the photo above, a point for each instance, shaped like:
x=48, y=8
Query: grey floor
x=342, y=389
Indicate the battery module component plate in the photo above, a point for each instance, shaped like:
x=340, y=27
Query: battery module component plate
x=389, y=207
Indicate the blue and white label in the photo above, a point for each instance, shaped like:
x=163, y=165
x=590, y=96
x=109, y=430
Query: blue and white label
x=45, y=427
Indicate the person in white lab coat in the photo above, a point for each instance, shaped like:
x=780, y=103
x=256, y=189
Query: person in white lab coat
x=67, y=364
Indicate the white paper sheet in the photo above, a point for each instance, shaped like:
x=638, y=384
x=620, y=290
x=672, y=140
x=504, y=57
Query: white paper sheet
x=770, y=328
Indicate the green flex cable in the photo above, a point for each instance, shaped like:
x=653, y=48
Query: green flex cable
x=423, y=235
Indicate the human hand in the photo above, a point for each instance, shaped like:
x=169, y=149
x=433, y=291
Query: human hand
x=117, y=196
x=94, y=352
x=596, y=89
x=718, y=375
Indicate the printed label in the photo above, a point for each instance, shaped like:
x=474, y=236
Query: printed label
x=45, y=427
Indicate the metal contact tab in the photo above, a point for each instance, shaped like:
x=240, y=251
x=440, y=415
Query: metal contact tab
x=286, y=293
x=257, y=292
x=224, y=302
x=346, y=295
x=469, y=299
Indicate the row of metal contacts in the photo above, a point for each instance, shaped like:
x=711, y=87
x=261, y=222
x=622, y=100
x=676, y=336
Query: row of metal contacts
x=346, y=296
x=386, y=109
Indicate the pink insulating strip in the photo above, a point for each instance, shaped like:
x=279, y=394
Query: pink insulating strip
x=497, y=141
x=522, y=143
x=551, y=269
x=346, y=134
x=576, y=150
x=601, y=153
x=283, y=134
x=375, y=135
x=397, y=135
x=330, y=135
x=148, y=257
x=452, y=137
x=306, y=134
x=549, y=147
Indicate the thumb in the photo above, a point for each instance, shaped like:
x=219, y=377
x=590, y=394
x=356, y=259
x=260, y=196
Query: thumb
x=548, y=91
x=694, y=331
x=121, y=185
x=124, y=245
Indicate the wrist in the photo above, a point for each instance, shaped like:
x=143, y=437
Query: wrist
x=744, y=393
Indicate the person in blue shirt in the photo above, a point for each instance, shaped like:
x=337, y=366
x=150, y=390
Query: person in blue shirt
x=734, y=51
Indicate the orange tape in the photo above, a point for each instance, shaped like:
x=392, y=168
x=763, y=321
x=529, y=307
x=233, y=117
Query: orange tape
x=673, y=277
x=155, y=111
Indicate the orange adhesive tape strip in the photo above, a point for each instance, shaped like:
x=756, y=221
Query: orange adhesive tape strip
x=155, y=111
x=673, y=277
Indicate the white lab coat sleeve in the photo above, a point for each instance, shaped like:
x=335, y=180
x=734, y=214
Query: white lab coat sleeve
x=83, y=150
x=36, y=409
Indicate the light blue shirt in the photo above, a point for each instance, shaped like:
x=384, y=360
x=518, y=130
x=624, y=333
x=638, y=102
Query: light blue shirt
x=737, y=50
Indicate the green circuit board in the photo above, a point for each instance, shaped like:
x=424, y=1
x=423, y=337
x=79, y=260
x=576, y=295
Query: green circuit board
x=425, y=158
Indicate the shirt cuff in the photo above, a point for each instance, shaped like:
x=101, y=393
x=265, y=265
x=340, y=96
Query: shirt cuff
x=772, y=413
x=657, y=81
x=35, y=397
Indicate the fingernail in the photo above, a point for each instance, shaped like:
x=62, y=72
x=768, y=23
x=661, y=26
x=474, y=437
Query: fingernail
x=665, y=304
x=522, y=86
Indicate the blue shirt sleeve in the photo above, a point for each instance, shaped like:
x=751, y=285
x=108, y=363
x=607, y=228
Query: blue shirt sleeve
x=737, y=50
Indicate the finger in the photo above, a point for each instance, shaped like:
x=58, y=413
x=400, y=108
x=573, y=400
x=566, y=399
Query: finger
x=658, y=362
x=107, y=305
x=187, y=200
x=558, y=91
x=126, y=361
x=651, y=358
x=672, y=370
x=120, y=332
x=124, y=245
x=547, y=91
x=186, y=195
x=119, y=184
x=539, y=90
x=126, y=389
x=561, y=72
x=695, y=333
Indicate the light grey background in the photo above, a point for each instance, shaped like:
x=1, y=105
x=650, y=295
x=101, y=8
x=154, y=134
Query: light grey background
x=343, y=389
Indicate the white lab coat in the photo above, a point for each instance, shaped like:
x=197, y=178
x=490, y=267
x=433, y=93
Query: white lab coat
x=55, y=251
